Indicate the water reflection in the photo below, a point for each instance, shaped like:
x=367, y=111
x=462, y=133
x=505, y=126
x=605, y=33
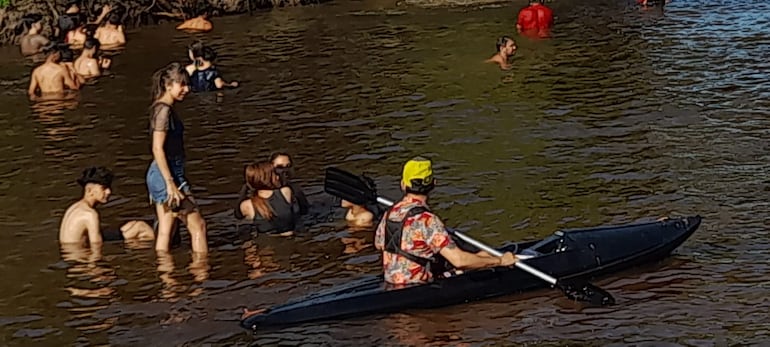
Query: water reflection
x=620, y=115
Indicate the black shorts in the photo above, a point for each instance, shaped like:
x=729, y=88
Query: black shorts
x=112, y=235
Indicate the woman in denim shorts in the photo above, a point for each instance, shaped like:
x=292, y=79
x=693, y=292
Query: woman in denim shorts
x=166, y=182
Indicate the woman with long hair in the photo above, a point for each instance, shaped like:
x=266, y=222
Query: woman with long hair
x=169, y=189
x=271, y=205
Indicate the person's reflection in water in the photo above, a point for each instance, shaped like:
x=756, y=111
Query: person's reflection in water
x=91, y=278
x=260, y=261
x=171, y=287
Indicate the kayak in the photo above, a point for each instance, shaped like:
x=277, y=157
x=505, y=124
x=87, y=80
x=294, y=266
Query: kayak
x=572, y=254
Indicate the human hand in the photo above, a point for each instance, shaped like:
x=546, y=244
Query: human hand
x=105, y=63
x=106, y=9
x=234, y=84
x=174, y=196
x=507, y=259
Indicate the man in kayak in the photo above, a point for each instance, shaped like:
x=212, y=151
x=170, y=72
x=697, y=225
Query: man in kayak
x=535, y=19
x=81, y=220
x=411, y=237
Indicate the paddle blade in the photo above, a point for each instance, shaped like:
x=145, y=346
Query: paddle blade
x=587, y=292
x=357, y=189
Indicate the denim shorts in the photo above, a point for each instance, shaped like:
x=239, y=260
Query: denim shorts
x=156, y=185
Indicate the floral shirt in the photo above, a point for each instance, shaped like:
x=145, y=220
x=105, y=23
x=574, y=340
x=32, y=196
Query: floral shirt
x=424, y=235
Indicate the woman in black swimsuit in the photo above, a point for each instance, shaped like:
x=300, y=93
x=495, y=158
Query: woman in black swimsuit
x=271, y=206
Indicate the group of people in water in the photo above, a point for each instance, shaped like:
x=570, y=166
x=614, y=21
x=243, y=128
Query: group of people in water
x=63, y=71
x=411, y=237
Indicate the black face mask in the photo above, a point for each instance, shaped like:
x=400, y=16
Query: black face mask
x=285, y=174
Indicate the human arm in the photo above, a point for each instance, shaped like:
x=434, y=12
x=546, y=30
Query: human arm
x=242, y=196
x=92, y=227
x=465, y=260
x=68, y=81
x=301, y=198
x=247, y=210
x=220, y=83
x=105, y=11
x=33, y=85
x=379, y=234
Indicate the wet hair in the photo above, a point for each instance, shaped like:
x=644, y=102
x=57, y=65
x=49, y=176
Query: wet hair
x=261, y=176
x=502, y=41
x=99, y=175
x=173, y=72
x=72, y=3
x=275, y=156
x=115, y=18
x=196, y=48
x=27, y=21
x=208, y=54
x=203, y=11
x=53, y=48
x=91, y=43
x=67, y=55
x=90, y=30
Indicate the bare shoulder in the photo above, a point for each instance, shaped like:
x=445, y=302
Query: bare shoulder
x=286, y=192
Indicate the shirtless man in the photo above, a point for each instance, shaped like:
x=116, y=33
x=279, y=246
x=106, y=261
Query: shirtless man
x=51, y=77
x=199, y=23
x=111, y=34
x=87, y=65
x=84, y=29
x=68, y=61
x=32, y=42
x=81, y=220
x=358, y=216
x=506, y=47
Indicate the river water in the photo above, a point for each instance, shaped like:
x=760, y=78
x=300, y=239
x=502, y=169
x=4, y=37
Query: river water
x=624, y=115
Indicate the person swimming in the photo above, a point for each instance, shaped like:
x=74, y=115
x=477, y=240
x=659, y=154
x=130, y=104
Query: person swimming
x=32, y=42
x=81, y=220
x=68, y=61
x=506, y=47
x=357, y=216
x=270, y=206
x=111, y=34
x=89, y=64
x=198, y=23
x=284, y=167
x=204, y=76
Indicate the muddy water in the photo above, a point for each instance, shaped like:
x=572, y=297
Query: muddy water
x=624, y=115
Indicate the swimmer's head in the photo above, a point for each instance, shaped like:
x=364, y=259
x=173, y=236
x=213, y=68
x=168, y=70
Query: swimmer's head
x=67, y=55
x=195, y=50
x=204, y=12
x=115, y=18
x=208, y=54
x=72, y=7
x=53, y=52
x=97, y=183
x=172, y=79
x=261, y=176
x=91, y=43
x=29, y=21
x=280, y=160
x=505, y=45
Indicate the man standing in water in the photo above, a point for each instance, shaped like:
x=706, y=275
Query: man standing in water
x=81, y=221
x=87, y=64
x=32, y=42
x=506, y=47
x=535, y=18
x=111, y=34
x=410, y=236
x=51, y=77
x=199, y=23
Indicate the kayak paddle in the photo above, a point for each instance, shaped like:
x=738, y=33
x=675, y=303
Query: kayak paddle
x=360, y=190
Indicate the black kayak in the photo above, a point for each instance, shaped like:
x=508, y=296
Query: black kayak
x=579, y=253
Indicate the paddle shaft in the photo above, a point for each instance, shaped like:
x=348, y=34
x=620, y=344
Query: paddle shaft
x=482, y=246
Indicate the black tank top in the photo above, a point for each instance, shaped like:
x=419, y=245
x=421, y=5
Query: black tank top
x=284, y=215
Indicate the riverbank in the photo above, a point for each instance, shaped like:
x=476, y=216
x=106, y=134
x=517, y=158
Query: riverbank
x=135, y=12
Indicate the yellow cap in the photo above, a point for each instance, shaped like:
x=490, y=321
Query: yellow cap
x=417, y=168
